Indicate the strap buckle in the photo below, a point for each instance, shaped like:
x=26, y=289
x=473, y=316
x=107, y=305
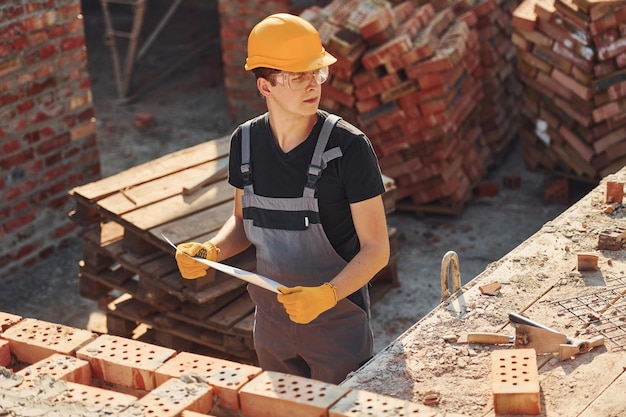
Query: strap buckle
x=246, y=173
x=313, y=175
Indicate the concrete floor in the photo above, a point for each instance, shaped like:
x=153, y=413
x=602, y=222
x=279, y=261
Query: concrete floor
x=189, y=107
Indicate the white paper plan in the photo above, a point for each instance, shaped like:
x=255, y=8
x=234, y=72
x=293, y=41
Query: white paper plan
x=242, y=274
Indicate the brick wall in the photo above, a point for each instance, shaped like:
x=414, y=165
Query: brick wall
x=47, y=126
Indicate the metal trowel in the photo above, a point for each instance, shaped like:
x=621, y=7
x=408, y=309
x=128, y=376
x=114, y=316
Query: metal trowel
x=530, y=334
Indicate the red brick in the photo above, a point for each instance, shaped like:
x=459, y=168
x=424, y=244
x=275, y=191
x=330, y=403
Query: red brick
x=48, y=51
x=95, y=398
x=72, y=43
x=173, y=397
x=609, y=110
x=378, y=56
x=18, y=159
x=54, y=174
x=13, y=12
x=570, y=84
x=53, y=144
x=11, y=146
x=364, y=403
x=7, y=320
x=487, y=189
x=5, y=353
x=25, y=106
x=129, y=363
x=224, y=376
x=70, y=11
x=59, y=367
x=617, y=91
x=614, y=192
x=38, y=88
x=278, y=394
x=515, y=381
x=612, y=50
x=64, y=230
x=33, y=340
x=10, y=65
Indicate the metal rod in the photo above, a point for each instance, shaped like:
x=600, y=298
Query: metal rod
x=109, y=39
x=140, y=9
x=168, y=15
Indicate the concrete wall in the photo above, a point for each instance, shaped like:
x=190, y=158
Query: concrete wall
x=47, y=126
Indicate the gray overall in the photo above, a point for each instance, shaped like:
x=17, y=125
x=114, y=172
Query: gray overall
x=292, y=248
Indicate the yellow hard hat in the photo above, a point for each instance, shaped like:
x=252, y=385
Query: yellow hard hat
x=288, y=43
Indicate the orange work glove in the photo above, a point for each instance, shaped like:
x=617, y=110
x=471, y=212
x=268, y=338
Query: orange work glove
x=190, y=268
x=304, y=304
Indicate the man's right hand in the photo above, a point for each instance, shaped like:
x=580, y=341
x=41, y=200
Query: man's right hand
x=190, y=268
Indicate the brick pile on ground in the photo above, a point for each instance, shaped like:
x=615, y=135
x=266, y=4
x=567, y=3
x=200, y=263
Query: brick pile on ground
x=412, y=78
x=499, y=110
x=52, y=369
x=572, y=60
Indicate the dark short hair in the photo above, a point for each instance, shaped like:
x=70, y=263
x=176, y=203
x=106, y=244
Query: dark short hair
x=264, y=72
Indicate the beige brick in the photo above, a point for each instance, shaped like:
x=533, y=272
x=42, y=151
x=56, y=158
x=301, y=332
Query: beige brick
x=224, y=376
x=95, y=399
x=274, y=394
x=33, y=340
x=515, y=381
x=129, y=363
x=172, y=398
x=57, y=366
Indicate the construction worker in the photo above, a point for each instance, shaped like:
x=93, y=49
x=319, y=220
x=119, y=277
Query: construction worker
x=308, y=196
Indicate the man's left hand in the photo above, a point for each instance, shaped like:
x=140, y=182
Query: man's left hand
x=304, y=304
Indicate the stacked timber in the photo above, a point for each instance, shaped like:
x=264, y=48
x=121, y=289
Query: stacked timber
x=572, y=60
x=432, y=86
x=130, y=269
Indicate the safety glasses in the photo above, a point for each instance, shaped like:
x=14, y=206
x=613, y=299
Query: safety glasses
x=300, y=80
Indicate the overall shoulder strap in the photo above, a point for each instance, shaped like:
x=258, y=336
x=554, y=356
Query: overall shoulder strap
x=246, y=168
x=315, y=167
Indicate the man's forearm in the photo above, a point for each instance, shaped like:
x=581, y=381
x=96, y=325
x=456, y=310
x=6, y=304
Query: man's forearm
x=231, y=238
x=361, y=269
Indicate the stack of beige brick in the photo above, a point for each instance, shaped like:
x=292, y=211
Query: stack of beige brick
x=46, y=369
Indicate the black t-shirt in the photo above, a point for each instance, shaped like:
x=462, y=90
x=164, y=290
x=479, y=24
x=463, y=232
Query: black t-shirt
x=353, y=177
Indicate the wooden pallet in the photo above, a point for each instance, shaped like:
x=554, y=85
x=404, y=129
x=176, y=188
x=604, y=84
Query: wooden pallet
x=131, y=270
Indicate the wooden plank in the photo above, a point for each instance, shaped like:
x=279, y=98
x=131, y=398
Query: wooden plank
x=178, y=206
x=232, y=313
x=132, y=198
x=610, y=402
x=194, y=226
x=212, y=176
x=223, y=284
x=245, y=325
x=165, y=165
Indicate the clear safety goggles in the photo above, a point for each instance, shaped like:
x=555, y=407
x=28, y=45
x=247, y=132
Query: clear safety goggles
x=300, y=80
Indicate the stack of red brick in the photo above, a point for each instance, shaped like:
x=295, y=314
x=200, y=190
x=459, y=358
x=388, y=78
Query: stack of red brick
x=413, y=79
x=50, y=369
x=499, y=110
x=572, y=60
